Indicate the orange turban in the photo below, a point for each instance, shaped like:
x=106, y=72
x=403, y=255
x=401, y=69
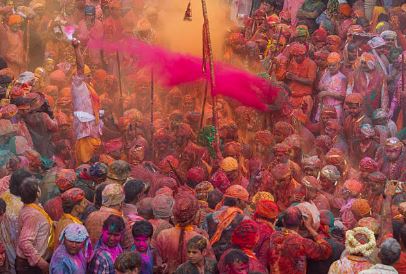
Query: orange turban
x=333, y=58
x=100, y=75
x=298, y=49
x=237, y=192
x=264, y=137
x=361, y=207
x=267, y=209
x=345, y=9
x=353, y=98
x=14, y=19
x=354, y=186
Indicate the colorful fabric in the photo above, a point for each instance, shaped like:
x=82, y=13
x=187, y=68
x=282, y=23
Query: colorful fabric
x=185, y=209
x=350, y=265
x=368, y=164
x=345, y=9
x=354, y=186
x=224, y=220
x=229, y=164
x=361, y=207
x=370, y=223
x=297, y=49
x=85, y=148
x=245, y=235
x=63, y=263
x=74, y=195
x=113, y=194
x=103, y=259
x=266, y=209
x=237, y=192
x=162, y=206
x=264, y=137
x=65, y=179
x=333, y=58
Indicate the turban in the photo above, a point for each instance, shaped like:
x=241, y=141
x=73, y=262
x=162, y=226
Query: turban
x=196, y=174
x=229, y=164
x=119, y=170
x=165, y=167
x=281, y=171
x=185, y=209
x=370, y=223
x=36, y=100
x=281, y=147
x=112, y=195
x=368, y=164
x=262, y=195
x=202, y=190
x=360, y=240
x=320, y=35
x=75, y=233
x=354, y=186
x=245, y=235
x=310, y=210
x=369, y=59
x=379, y=113
x=14, y=19
x=353, y=98
x=361, y=207
x=232, y=148
x=333, y=40
x=162, y=206
x=8, y=111
x=65, y=179
x=311, y=162
x=334, y=58
x=98, y=170
x=321, y=54
x=345, y=9
x=264, y=137
x=354, y=29
x=393, y=142
x=90, y=10
x=164, y=191
x=237, y=192
x=377, y=177
x=100, y=75
x=272, y=19
x=335, y=156
x=311, y=182
x=298, y=49
x=220, y=181
x=267, y=209
x=331, y=173
x=74, y=195
x=302, y=30
x=284, y=128
x=388, y=34
x=367, y=130
x=293, y=141
x=376, y=42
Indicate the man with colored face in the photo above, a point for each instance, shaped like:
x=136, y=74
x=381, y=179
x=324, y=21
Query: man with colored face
x=392, y=160
x=236, y=262
x=108, y=247
x=142, y=232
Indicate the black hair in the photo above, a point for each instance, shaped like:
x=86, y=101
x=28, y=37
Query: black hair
x=128, y=261
x=60, y=146
x=3, y=63
x=197, y=242
x=3, y=206
x=29, y=190
x=362, y=21
x=389, y=251
x=132, y=190
x=144, y=208
x=16, y=179
x=235, y=255
x=98, y=195
x=142, y=228
x=68, y=205
x=229, y=201
x=114, y=224
x=213, y=198
x=383, y=17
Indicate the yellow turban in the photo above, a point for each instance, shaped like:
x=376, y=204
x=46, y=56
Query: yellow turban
x=229, y=164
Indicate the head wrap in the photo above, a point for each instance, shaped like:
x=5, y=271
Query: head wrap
x=119, y=170
x=272, y=19
x=312, y=162
x=264, y=137
x=311, y=182
x=345, y=9
x=331, y=173
x=284, y=128
x=354, y=98
x=388, y=34
x=185, y=209
x=14, y=19
x=162, y=206
x=90, y=10
x=232, y=148
x=360, y=240
x=74, y=195
x=293, y=141
x=281, y=171
x=334, y=40
x=229, y=164
x=165, y=167
x=281, y=147
x=164, y=191
x=370, y=223
x=334, y=58
x=98, y=170
x=237, y=192
x=112, y=195
x=354, y=186
x=368, y=164
x=321, y=54
x=393, y=142
x=245, y=235
x=196, y=174
x=361, y=207
x=298, y=49
x=369, y=59
x=377, y=177
x=65, y=179
x=202, y=190
x=354, y=29
x=75, y=233
x=302, y=31
x=220, y=181
x=367, y=130
x=267, y=209
x=320, y=35
x=376, y=42
x=262, y=195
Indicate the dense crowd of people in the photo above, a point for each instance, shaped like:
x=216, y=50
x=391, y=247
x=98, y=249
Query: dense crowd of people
x=103, y=170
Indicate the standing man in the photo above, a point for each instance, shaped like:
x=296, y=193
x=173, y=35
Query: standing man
x=86, y=107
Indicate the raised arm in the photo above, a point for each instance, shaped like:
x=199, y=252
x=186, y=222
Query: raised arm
x=80, y=64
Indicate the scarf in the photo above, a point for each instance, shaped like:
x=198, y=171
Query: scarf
x=225, y=218
x=72, y=218
x=50, y=222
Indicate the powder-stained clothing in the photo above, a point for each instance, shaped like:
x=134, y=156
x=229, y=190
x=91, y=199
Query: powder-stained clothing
x=350, y=265
x=103, y=259
x=307, y=69
x=54, y=208
x=210, y=267
x=64, y=263
x=290, y=251
x=336, y=83
x=33, y=236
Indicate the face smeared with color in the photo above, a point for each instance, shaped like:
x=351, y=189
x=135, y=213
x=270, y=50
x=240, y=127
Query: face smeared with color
x=141, y=243
x=111, y=239
x=393, y=153
x=354, y=109
x=237, y=267
x=72, y=247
